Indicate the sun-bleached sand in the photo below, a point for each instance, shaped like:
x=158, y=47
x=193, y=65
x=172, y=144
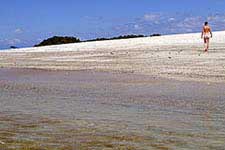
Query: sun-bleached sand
x=178, y=56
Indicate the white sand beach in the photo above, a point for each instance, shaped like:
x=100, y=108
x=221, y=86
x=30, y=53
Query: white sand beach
x=178, y=56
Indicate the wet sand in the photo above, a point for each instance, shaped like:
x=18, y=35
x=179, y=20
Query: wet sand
x=42, y=109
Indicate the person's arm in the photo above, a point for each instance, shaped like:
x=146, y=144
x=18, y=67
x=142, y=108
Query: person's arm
x=202, y=32
x=211, y=33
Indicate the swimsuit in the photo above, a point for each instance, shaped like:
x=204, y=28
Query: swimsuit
x=207, y=35
x=206, y=32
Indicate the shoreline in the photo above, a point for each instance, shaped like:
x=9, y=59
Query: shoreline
x=206, y=80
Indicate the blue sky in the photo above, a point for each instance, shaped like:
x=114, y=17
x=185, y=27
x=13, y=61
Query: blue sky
x=27, y=22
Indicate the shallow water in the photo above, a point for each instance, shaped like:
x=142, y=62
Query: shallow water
x=97, y=110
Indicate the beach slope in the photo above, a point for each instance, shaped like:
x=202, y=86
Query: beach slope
x=178, y=56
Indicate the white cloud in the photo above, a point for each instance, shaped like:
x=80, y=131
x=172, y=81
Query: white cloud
x=165, y=23
x=13, y=41
x=158, y=22
x=216, y=18
x=18, y=31
x=39, y=39
x=171, y=19
x=152, y=17
x=136, y=26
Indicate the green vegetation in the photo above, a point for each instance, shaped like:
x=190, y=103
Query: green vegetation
x=13, y=47
x=65, y=40
x=116, y=38
x=155, y=35
x=58, y=40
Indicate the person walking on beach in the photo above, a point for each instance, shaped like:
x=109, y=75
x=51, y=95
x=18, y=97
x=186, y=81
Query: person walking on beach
x=206, y=35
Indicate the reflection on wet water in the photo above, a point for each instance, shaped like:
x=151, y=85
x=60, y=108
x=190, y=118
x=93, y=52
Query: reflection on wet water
x=97, y=110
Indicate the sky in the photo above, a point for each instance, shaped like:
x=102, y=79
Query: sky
x=24, y=23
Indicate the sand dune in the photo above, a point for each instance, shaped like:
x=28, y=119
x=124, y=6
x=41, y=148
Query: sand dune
x=173, y=56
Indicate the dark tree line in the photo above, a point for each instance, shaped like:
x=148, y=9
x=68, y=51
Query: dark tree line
x=55, y=40
x=65, y=40
x=116, y=38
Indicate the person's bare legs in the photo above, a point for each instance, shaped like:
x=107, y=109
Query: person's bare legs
x=206, y=42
